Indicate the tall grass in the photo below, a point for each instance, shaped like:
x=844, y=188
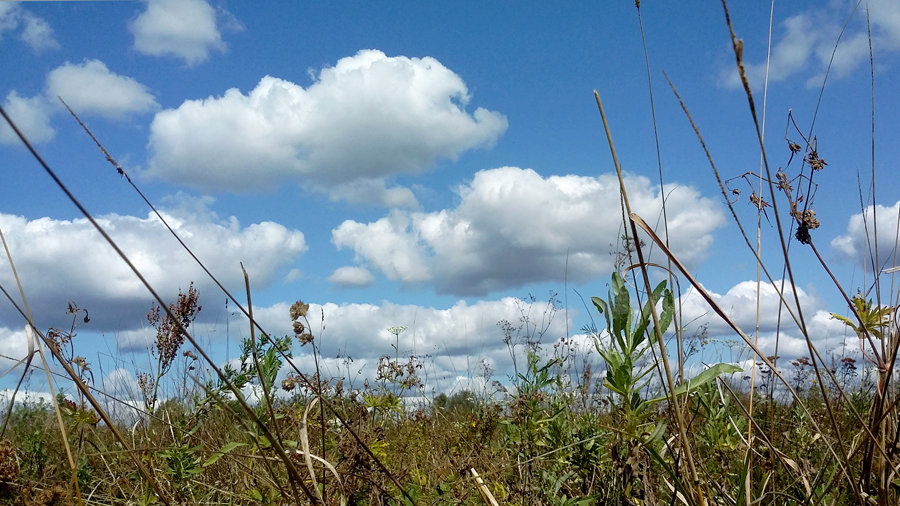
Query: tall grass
x=642, y=432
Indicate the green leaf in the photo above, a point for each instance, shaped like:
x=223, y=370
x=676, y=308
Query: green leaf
x=222, y=451
x=622, y=314
x=646, y=316
x=703, y=378
x=668, y=311
x=602, y=308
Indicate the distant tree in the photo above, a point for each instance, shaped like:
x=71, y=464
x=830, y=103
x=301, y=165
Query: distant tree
x=460, y=402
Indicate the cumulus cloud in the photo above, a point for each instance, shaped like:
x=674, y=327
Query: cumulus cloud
x=36, y=32
x=829, y=335
x=352, y=276
x=186, y=29
x=66, y=260
x=455, y=343
x=514, y=226
x=804, y=44
x=91, y=88
x=365, y=119
x=855, y=244
x=32, y=117
x=740, y=302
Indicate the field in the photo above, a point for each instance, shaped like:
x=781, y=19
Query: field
x=654, y=426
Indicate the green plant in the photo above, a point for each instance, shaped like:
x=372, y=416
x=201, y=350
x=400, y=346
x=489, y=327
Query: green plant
x=181, y=459
x=625, y=376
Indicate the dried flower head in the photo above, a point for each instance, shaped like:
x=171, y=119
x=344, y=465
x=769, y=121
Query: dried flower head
x=289, y=383
x=299, y=310
x=814, y=161
x=808, y=218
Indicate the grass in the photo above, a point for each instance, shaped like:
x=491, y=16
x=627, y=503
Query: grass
x=816, y=430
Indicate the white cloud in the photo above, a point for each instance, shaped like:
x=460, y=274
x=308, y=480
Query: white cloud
x=363, y=120
x=61, y=260
x=740, y=302
x=789, y=55
x=121, y=383
x=352, y=276
x=854, y=246
x=828, y=335
x=31, y=116
x=184, y=28
x=26, y=396
x=513, y=226
x=90, y=88
x=373, y=191
x=453, y=342
x=804, y=43
x=387, y=244
x=13, y=347
x=36, y=32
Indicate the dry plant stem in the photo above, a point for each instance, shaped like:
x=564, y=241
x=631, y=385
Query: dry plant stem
x=778, y=291
x=759, y=244
x=875, y=273
x=738, y=52
x=485, y=492
x=255, y=355
x=291, y=470
x=240, y=307
x=679, y=415
x=718, y=310
x=87, y=394
x=262, y=380
x=31, y=341
x=307, y=455
x=30, y=356
x=734, y=216
x=679, y=335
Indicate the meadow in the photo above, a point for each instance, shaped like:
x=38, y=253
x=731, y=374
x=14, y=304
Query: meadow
x=649, y=427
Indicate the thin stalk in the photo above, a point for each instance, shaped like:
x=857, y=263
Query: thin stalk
x=262, y=380
x=734, y=326
x=346, y=425
x=738, y=46
x=679, y=334
x=275, y=443
x=670, y=392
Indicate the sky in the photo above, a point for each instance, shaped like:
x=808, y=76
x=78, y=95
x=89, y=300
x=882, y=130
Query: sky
x=429, y=165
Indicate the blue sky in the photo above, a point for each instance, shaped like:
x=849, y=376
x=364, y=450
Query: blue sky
x=420, y=164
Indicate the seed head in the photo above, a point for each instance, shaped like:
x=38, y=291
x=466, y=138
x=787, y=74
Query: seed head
x=299, y=309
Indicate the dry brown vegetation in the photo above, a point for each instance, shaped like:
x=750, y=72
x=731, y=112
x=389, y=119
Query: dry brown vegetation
x=817, y=430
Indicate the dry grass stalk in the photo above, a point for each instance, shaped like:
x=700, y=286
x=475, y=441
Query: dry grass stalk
x=485, y=492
